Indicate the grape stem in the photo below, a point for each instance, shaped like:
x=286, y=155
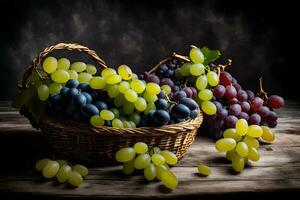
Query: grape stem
x=185, y=58
x=193, y=46
x=229, y=62
x=262, y=93
x=169, y=100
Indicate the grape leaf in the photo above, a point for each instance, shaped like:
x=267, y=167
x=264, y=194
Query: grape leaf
x=210, y=55
x=23, y=97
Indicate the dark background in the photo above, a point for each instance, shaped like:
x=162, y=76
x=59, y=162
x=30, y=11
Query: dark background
x=260, y=38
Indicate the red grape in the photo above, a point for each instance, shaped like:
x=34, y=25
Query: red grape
x=256, y=103
x=188, y=92
x=263, y=111
x=195, y=93
x=225, y=78
x=275, y=101
x=219, y=91
x=272, y=116
x=230, y=92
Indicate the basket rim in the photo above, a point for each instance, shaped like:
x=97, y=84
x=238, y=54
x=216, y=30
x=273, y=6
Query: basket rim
x=169, y=129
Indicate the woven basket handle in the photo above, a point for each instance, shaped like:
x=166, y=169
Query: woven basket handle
x=60, y=46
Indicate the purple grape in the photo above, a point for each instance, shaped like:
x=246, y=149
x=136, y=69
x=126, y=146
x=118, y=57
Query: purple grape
x=175, y=88
x=250, y=94
x=230, y=121
x=169, y=73
x=243, y=115
x=245, y=106
x=272, y=124
x=167, y=81
x=163, y=68
x=218, y=105
x=219, y=91
x=190, y=103
x=256, y=103
x=152, y=78
x=272, y=116
x=218, y=124
x=195, y=93
x=234, y=80
x=222, y=113
x=162, y=94
x=230, y=92
x=188, y=92
x=263, y=111
x=236, y=86
x=242, y=95
x=233, y=101
x=254, y=119
x=179, y=95
x=235, y=109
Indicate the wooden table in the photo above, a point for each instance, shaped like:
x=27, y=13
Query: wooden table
x=278, y=170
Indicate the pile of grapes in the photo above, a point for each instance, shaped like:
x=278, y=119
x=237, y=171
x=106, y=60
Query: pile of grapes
x=62, y=171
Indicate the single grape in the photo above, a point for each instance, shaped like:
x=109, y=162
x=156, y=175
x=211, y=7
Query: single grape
x=124, y=86
x=142, y=161
x=63, y=63
x=128, y=108
x=267, y=135
x=230, y=92
x=60, y=76
x=126, y=124
x=238, y=163
x=112, y=91
x=125, y=154
x=212, y=78
x=205, y=95
x=179, y=95
x=50, y=65
x=275, y=101
x=222, y=114
x=160, y=169
x=125, y=72
x=43, y=92
x=51, y=168
x=91, y=69
x=185, y=69
x=242, y=95
x=138, y=86
x=97, y=82
x=96, y=121
x=158, y=159
x=131, y=95
x=84, y=77
x=152, y=88
x=79, y=100
x=169, y=156
x=120, y=100
x=263, y=111
x=100, y=105
x=225, y=144
x=232, y=133
x=107, y=72
x=245, y=106
x=162, y=104
x=84, y=87
x=41, y=164
x=256, y=103
x=231, y=154
x=255, y=131
x=188, y=91
x=235, y=109
x=74, y=178
x=87, y=96
x=197, y=69
x=251, y=95
x=135, y=117
x=113, y=79
x=54, y=88
x=208, y=108
x=219, y=91
x=72, y=83
x=82, y=170
x=251, y=142
x=62, y=174
x=196, y=55
x=167, y=81
x=180, y=111
x=169, y=179
x=150, y=98
x=167, y=89
x=117, y=123
x=161, y=117
x=241, y=127
x=150, y=172
x=140, y=147
x=254, y=119
x=253, y=154
x=225, y=78
x=78, y=66
x=140, y=104
x=230, y=121
x=242, y=149
x=73, y=74
x=272, y=116
x=204, y=170
x=152, y=78
x=201, y=82
x=107, y=115
x=88, y=110
x=244, y=116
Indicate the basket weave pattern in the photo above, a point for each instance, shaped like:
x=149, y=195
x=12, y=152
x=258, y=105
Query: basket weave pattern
x=99, y=144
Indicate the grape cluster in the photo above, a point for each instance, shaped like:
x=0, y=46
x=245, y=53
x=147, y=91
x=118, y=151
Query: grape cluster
x=154, y=163
x=62, y=171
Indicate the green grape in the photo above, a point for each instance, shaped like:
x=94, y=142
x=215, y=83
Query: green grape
x=107, y=72
x=160, y=169
x=140, y=104
x=267, y=135
x=125, y=72
x=230, y=154
x=62, y=174
x=253, y=154
x=113, y=79
x=50, y=169
x=82, y=170
x=138, y=86
x=107, y=115
x=117, y=123
x=150, y=98
x=158, y=159
x=84, y=77
x=78, y=66
x=123, y=86
x=150, y=172
x=119, y=100
x=61, y=162
x=127, y=124
x=73, y=74
x=231, y=133
x=122, y=118
x=43, y=92
x=91, y=69
x=131, y=95
x=196, y=55
x=125, y=154
x=208, y=108
x=113, y=91
x=225, y=144
x=132, y=124
x=242, y=149
x=154, y=150
x=97, y=82
x=169, y=156
x=134, y=76
x=197, y=69
x=205, y=94
x=251, y=142
x=128, y=108
x=60, y=76
x=150, y=106
x=54, y=88
x=96, y=121
x=128, y=167
x=201, y=82
x=238, y=163
x=142, y=161
x=140, y=147
x=212, y=78
x=185, y=69
x=241, y=127
x=167, y=89
x=39, y=165
x=152, y=88
x=135, y=117
x=74, y=178
x=116, y=112
x=50, y=65
x=255, y=131
x=63, y=63
x=169, y=179
x=204, y=170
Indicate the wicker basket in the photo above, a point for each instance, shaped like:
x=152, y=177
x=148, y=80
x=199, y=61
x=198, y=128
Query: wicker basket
x=98, y=145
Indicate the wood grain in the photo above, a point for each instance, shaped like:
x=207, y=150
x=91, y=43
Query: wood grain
x=278, y=169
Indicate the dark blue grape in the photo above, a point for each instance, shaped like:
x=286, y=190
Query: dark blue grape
x=161, y=104
x=79, y=100
x=94, y=94
x=107, y=123
x=101, y=105
x=88, y=110
x=72, y=83
x=64, y=91
x=161, y=117
x=180, y=111
x=194, y=114
x=190, y=103
x=169, y=73
x=179, y=95
x=143, y=122
x=222, y=114
x=175, y=88
x=71, y=93
x=163, y=68
x=84, y=87
x=56, y=99
x=88, y=97
x=162, y=94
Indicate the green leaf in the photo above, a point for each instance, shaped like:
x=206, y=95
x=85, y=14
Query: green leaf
x=210, y=55
x=23, y=97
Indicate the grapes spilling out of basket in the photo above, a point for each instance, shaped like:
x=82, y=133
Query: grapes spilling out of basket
x=62, y=171
x=154, y=162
